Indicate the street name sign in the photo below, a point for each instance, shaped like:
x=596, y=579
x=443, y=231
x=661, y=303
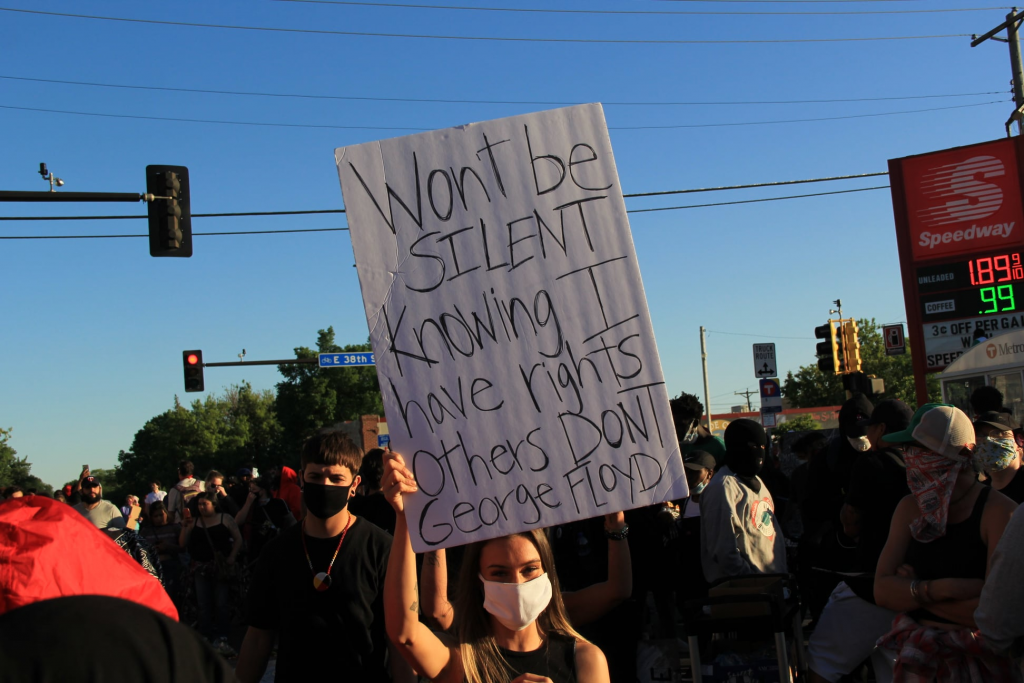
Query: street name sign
x=345, y=360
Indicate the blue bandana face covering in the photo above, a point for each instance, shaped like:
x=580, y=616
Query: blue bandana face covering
x=995, y=454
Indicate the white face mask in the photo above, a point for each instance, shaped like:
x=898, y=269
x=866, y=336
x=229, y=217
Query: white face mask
x=517, y=605
x=859, y=443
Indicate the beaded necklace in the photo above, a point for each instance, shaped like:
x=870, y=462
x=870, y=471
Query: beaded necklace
x=322, y=580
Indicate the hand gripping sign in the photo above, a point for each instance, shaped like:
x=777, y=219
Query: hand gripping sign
x=513, y=344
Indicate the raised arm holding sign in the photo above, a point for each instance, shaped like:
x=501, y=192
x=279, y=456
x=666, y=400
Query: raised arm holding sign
x=514, y=348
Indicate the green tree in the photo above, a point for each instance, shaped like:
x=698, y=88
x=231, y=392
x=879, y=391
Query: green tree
x=309, y=398
x=809, y=387
x=221, y=432
x=798, y=423
x=15, y=471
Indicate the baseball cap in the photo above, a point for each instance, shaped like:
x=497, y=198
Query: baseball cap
x=699, y=460
x=939, y=427
x=90, y=481
x=893, y=413
x=1004, y=422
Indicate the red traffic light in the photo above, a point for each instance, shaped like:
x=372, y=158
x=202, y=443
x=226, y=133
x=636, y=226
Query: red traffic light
x=192, y=359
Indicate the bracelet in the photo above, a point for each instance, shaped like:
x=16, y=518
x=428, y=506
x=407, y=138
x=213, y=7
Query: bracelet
x=913, y=590
x=619, y=535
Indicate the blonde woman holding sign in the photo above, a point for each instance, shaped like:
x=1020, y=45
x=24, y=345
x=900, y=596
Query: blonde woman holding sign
x=511, y=624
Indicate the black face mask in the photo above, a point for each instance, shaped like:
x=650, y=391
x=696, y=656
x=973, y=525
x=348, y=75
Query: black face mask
x=746, y=464
x=323, y=502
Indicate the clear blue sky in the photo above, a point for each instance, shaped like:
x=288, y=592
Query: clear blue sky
x=92, y=330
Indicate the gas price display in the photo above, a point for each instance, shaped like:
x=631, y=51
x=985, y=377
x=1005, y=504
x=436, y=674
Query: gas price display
x=977, y=286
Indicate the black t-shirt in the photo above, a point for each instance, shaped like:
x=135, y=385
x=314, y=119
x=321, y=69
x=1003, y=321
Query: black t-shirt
x=374, y=508
x=878, y=482
x=1015, y=489
x=331, y=635
x=100, y=639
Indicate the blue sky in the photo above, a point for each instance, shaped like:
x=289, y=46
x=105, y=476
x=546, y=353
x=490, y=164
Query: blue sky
x=92, y=329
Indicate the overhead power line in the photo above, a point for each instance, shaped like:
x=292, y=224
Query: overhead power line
x=634, y=195
x=548, y=10
x=300, y=230
x=755, y=201
x=414, y=129
x=455, y=101
x=512, y=39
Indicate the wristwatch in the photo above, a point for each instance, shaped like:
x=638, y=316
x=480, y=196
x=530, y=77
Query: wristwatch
x=619, y=535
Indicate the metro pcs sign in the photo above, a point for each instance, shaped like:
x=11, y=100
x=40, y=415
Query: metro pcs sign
x=962, y=200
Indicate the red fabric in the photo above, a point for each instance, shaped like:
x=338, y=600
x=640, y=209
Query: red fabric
x=931, y=655
x=289, y=491
x=49, y=550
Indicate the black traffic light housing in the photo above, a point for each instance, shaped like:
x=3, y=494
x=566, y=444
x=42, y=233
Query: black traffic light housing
x=170, y=214
x=829, y=355
x=193, y=364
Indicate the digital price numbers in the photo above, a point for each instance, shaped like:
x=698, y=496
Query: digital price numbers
x=992, y=270
x=977, y=286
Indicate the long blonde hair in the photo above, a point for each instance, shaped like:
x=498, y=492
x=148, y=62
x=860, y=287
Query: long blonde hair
x=482, y=661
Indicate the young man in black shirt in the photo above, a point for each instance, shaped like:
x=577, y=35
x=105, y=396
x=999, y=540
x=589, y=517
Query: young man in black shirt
x=318, y=587
x=852, y=622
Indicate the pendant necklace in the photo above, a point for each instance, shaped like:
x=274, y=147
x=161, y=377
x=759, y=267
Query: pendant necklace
x=322, y=580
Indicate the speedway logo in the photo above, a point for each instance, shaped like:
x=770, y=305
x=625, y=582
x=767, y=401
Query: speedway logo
x=963, y=200
x=959, y=192
x=934, y=239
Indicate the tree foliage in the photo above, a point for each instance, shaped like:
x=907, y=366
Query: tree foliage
x=15, y=471
x=809, y=387
x=309, y=398
x=221, y=432
x=798, y=423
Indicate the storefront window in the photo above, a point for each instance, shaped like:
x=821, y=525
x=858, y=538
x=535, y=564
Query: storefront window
x=958, y=391
x=1013, y=392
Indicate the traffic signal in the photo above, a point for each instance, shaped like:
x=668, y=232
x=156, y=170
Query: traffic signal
x=170, y=217
x=828, y=350
x=193, y=362
x=851, y=345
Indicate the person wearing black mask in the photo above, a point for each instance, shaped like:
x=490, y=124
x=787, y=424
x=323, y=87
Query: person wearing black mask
x=851, y=621
x=739, y=531
x=318, y=587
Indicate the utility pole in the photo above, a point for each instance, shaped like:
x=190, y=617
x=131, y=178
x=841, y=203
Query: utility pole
x=746, y=395
x=704, y=363
x=1016, y=68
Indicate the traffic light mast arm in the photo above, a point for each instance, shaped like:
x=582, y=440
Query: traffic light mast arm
x=290, y=361
x=19, y=196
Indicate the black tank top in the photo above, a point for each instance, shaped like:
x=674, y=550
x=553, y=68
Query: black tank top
x=204, y=540
x=555, y=659
x=960, y=554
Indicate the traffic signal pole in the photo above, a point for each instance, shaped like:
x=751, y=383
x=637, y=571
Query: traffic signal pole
x=1016, y=67
x=288, y=361
x=704, y=364
x=18, y=196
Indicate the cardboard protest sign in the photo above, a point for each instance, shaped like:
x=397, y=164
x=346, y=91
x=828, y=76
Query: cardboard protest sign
x=514, y=348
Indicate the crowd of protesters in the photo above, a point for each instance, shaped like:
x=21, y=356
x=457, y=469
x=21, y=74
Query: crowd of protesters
x=899, y=527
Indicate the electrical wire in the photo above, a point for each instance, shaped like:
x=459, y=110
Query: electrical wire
x=745, y=334
x=530, y=10
x=634, y=195
x=506, y=39
x=820, y=118
x=410, y=128
x=453, y=101
x=755, y=201
x=770, y=184
x=274, y=232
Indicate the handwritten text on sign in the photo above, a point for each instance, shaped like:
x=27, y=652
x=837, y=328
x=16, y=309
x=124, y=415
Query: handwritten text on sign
x=513, y=344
